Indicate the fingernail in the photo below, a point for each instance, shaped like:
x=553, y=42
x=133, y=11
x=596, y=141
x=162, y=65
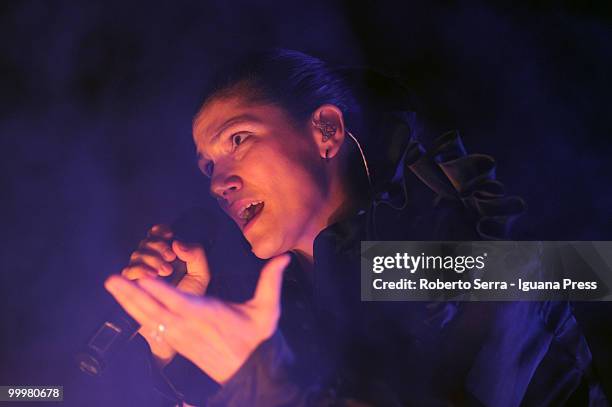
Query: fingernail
x=111, y=283
x=167, y=268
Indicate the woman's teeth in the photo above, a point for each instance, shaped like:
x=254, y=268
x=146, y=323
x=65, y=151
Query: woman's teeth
x=248, y=212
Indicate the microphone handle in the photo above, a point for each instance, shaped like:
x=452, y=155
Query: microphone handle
x=118, y=329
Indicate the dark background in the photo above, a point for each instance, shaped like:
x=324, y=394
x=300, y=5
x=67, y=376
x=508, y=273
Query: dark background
x=96, y=101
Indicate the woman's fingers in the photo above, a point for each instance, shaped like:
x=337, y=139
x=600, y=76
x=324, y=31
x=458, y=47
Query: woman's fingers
x=215, y=335
x=138, y=303
x=153, y=256
x=136, y=271
x=195, y=257
x=158, y=246
x=152, y=259
x=161, y=230
x=168, y=296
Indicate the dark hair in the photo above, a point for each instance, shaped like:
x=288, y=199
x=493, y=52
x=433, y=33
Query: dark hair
x=291, y=79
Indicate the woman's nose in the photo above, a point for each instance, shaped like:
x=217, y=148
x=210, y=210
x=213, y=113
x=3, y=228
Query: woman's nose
x=223, y=187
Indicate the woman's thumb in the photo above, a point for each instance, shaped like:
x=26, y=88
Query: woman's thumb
x=193, y=254
x=268, y=290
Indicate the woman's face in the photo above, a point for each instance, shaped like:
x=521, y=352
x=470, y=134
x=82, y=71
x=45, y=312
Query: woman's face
x=266, y=173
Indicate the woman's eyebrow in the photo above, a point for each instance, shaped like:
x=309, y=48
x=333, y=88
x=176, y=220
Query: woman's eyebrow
x=232, y=121
x=243, y=118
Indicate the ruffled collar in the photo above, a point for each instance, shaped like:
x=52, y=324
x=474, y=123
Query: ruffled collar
x=447, y=169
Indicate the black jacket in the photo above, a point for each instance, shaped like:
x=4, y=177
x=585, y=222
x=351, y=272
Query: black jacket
x=333, y=349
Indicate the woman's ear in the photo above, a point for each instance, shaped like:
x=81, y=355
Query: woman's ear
x=327, y=128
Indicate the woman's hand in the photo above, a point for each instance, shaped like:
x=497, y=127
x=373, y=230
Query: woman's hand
x=152, y=259
x=215, y=335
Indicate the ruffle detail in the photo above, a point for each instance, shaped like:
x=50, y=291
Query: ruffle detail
x=454, y=174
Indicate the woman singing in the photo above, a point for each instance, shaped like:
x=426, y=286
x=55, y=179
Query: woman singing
x=310, y=161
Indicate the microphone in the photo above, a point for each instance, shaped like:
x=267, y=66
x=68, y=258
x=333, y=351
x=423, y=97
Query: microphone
x=119, y=327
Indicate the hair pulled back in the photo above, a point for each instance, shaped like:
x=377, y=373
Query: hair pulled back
x=300, y=83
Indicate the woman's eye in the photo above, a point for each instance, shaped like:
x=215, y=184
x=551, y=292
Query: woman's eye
x=238, y=139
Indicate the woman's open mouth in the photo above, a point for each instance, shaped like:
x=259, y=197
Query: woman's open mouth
x=249, y=212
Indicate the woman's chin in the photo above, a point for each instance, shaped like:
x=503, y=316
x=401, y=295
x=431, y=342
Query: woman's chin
x=265, y=248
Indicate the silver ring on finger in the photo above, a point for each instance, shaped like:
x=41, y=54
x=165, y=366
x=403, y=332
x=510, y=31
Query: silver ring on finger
x=158, y=333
